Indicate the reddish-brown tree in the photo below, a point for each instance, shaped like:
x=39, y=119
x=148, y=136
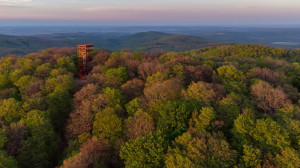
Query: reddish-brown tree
x=88, y=92
x=52, y=54
x=149, y=68
x=132, y=66
x=267, y=98
x=33, y=88
x=93, y=150
x=166, y=90
x=16, y=133
x=8, y=93
x=198, y=73
x=100, y=58
x=133, y=88
x=141, y=124
x=81, y=120
x=43, y=71
x=267, y=75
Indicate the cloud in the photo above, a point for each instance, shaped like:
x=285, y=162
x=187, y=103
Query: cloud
x=15, y=1
x=12, y=6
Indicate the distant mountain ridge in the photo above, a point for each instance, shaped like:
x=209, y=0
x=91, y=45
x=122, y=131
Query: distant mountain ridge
x=145, y=41
x=169, y=42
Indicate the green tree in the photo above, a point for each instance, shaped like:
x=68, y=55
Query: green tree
x=243, y=125
x=24, y=82
x=202, y=150
x=59, y=106
x=201, y=92
x=107, y=124
x=202, y=121
x=3, y=138
x=16, y=75
x=270, y=135
x=7, y=161
x=61, y=81
x=133, y=106
x=252, y=156
x=11, y=110
x=289, y=158
x=4, y=81
x=38, y=149
x=174, y=116
x=287, y=118
x=145, y=152
x=229, y=72
x=116, y=76
x=232, y=86
x=157, y=77
x=27, y=65
x=59, y=71
x=113, y=97
x=177, y=70
x=66, y=63
x=228, y=110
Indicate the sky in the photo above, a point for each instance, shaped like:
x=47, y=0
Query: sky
x=149, y=12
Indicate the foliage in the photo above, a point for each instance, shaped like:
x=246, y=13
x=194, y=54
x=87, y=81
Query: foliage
x=139, y=125
x=133, y=88
x=228, y=110
x=174, y=116
x=116, y=76
x=251, y=156
x=200, y=91
x=288, y=158
x=7, y=161
x=11, y=111
x=38, y=150
x=144, y=152
x=229, y=72
x=107, y=124
x=89, y=152
x=226, y=106
x=202, y=121
x=59, y=106
x=166, y=90
x=267, y=98
x=200, y=151
x=270, y=135
x=132, y=106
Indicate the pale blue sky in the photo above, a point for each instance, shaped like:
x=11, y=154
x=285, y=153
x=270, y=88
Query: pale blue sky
x=196, y=12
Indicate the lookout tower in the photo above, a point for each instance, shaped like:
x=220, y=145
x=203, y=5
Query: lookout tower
x=84, y=58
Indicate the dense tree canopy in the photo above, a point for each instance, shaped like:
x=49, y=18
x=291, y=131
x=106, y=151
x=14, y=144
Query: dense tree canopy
x=226, y=106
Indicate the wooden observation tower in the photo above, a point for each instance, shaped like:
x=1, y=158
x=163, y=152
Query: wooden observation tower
x=84, y=58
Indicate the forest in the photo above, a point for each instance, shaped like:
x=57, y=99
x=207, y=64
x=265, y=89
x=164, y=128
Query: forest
x=224, y=106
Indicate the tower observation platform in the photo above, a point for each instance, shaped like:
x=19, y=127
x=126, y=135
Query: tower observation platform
x=84, y=52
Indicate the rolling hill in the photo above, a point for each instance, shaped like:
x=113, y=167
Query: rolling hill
x=145, y=41
x=165, y=41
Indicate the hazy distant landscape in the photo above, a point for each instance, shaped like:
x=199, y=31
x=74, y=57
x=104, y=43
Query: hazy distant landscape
x=24, y=40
